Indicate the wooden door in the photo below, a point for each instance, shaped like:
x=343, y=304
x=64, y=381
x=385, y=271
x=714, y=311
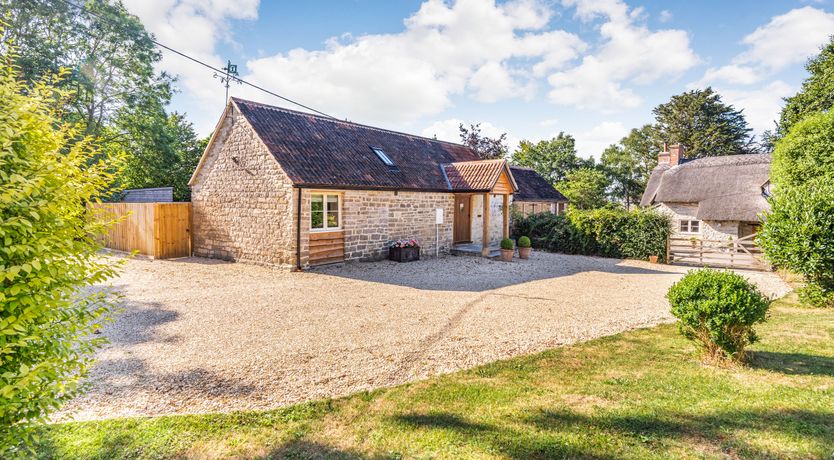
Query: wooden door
x=463, y=219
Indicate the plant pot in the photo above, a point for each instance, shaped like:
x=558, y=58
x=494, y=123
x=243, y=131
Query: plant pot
x=524, y=253
x=653, y=259
x=507, y=255
x=404, y=254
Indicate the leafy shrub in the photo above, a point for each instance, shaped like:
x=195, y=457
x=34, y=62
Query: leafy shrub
x=717, y=309
x=798, y=234
x=47, y=320
x=600, y=232
x=524, y=242
x=507, y=243
x=806, y=152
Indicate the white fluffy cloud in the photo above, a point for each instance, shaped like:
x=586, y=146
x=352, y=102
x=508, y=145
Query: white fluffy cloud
x=786, y=40
x=593, y=141
x=630, y=53
x=473, y=47
x=194, y=27
x=761, y=105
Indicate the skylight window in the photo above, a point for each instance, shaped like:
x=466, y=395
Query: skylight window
x=383, y=156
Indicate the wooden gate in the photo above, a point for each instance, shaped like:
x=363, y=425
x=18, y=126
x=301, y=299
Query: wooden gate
x=735, y=253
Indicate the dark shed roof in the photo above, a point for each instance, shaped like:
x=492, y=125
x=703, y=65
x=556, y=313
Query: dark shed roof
x=725, y=188
x=533, y=187
x=148, y=195
x=319, y=151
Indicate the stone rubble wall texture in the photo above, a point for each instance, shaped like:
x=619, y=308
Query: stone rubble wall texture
x=710, y=230
x=527, y=208
x=242, y=201
x=496, y=219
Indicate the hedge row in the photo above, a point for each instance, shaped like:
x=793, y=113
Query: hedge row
x=599, y=232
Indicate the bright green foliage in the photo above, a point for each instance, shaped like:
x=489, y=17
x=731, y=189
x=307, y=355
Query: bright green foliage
x=718, y=309
x=553, y=159
x=507, y=243
x=798, y=234
x=524, y=242
x=703, y=125
x=601, y=232
x=47, y=319
x=806, y=152
x=585, y=188
x=629, y=164
x=816, y=94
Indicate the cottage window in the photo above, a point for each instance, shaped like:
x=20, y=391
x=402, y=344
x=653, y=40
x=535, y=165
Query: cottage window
x=383, y=156
x=690, y=226
x=324, y=211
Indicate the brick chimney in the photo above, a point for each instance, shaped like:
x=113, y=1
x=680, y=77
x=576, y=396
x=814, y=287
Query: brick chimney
x=671, y=155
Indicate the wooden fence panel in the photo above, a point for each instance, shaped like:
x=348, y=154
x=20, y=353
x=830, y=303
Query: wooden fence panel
x=159, y=230
x=738, y=253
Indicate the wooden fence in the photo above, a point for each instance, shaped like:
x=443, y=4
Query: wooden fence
x=158, y=230
x=736, y=253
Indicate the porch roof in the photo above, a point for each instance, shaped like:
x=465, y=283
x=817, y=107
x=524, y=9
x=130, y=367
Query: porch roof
x=480, y=176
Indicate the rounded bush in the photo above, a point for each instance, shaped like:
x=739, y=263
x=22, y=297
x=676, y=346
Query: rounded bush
x=717, y=309
x=507, y=243
x=524, y=242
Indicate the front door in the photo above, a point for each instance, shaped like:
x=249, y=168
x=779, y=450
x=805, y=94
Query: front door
x=463, y=219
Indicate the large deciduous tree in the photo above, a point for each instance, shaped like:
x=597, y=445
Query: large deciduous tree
x=816, y=94
x=629, y=164
x=704, y=125
x=585, y=188
x=119, y=98
x=553, y=159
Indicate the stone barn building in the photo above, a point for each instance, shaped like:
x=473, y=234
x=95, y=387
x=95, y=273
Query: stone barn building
x=291, y=189
x=535, y=194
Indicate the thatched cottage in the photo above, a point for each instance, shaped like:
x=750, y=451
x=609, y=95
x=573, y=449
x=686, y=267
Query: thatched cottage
x=281, y=187
x=535, y=194
x=712, y=198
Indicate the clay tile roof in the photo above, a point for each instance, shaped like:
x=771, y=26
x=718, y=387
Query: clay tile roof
x=533, y=187
x=474, y=175
x=320, y=151
x=725, y=188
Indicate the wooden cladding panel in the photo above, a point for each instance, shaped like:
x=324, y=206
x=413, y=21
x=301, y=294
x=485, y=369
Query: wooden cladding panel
x=327, y=247
x=503, y=185
x=159, y=230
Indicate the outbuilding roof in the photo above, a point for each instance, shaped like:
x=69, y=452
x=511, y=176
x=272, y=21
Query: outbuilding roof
x=317, y=151
x=533, y=187
x=725, y=187
x=476, y=175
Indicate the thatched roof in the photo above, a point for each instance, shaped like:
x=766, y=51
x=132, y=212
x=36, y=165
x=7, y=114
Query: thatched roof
x=725, y=188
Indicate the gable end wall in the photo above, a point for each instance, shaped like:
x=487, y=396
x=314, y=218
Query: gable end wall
x=242, y=200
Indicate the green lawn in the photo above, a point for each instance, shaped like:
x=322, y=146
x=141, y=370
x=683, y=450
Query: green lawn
x=641, y=394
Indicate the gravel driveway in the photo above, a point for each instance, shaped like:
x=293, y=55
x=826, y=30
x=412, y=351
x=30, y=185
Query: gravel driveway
x=199, y=335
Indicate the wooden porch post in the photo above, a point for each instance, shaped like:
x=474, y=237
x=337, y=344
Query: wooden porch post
x=485, y=238
x=506, y=215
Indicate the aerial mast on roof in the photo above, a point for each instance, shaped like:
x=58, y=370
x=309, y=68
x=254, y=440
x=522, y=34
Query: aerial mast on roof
x=229, y=75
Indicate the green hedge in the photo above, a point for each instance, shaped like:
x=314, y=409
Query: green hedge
x=599, y=232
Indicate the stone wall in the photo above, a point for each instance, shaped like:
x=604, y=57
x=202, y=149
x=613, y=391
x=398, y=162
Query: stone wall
x=710, y=230
x=526, y=208
x=371, y=220
x=496, y=218
x=242, y=200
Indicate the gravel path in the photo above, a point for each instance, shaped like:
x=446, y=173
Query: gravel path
x=199, y=335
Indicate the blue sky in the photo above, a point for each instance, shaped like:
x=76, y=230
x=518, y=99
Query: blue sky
x=531, y=68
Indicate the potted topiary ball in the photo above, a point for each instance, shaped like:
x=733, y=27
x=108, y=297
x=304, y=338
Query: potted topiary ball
x=524, y=247
x=507, y=250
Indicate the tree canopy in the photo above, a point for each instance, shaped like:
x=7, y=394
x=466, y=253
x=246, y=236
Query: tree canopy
x=629, y=164
x=485, y=147
x=584, y=188
x=553, y=159
x=816, y=93
x=700, y=122
x=119, y=98
x=806, y=152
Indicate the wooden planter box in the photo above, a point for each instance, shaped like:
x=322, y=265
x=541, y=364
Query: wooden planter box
x=404, y=254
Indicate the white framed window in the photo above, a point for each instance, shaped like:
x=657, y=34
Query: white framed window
x=383, y=156
x=325, y=212
x=690, y=226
